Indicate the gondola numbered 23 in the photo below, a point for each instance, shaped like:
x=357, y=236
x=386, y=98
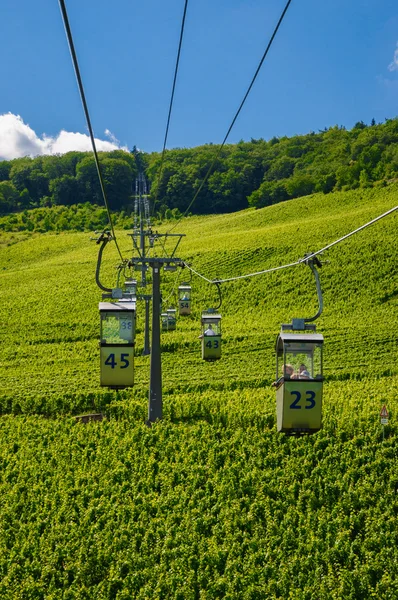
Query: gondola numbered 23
x=299, y=388
x=299, y=371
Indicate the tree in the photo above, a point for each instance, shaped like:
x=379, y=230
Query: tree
x=8, y=197
x=38, y=186
x=325, y=183
x=24, y=199
x=127, y=157
x=20, y=173
x=269, y=192
x=87, y=177
x=118, y=178
x=5, y=168
x=347, y=176
x=70, y=160
x=364, y=180
x=65, y=190
x=300, y=185
x=281, y=168
x=26, y=174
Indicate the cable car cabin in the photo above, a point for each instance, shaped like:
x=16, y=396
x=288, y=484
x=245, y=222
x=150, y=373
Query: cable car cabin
x=130, y=286
x=184, y=299
x=171, y=318
x=299, y=383
x=164, y=317
x=117, y=343
x=211, y=335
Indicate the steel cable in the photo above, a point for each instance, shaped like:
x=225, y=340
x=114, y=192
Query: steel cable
x=237, y=113
x=85, y=108
x=300, y=260
x=171, y=103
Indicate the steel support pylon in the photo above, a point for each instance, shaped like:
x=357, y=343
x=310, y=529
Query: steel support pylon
x=155, y=382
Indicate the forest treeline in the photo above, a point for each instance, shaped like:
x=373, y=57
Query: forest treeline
x=256, y=173
x=66, y=180
x=260, y=173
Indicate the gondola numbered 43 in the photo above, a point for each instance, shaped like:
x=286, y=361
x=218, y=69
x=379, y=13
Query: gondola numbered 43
x=211, y=335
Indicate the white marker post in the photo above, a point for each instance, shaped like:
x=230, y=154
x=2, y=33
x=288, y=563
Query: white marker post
x=384, y=417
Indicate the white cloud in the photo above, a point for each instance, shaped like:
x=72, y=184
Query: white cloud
x=18, y=139
x=394, y=65
x=111, y=137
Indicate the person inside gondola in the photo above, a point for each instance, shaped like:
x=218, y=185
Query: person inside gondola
x=287, y=374
x=209, y=331
x=303, y=372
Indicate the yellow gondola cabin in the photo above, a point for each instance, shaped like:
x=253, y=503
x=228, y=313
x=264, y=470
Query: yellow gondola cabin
x=171, y=318
x=184, y=299
x=164, y=318
x=299, y=383
x=117, y=343
x=211, y=335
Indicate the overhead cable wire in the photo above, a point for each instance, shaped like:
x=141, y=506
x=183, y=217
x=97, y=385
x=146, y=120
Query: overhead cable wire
x=300, y=260
x=237, y=112
x=218, y=281
x=196, y=273
x=349, y=234
x=172, y=293
x=171, y=103
x=85, y=108
x=163, y=244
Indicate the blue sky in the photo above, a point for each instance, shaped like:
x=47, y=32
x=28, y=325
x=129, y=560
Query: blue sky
x=331, y=63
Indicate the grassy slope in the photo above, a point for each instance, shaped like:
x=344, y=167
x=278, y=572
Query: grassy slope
x=212, y=502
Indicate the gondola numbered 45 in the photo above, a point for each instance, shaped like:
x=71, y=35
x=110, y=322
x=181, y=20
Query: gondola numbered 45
x=117, y=343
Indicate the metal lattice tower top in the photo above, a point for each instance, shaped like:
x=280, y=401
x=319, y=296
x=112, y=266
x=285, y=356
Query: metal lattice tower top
x=136, y=205
x=141, y=204
x=142, y=220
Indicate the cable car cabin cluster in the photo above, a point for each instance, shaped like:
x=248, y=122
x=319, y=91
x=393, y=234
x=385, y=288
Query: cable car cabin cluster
x=172, y=318
x=184, y=299
x=117, y=343
x=211, y=335
x=164, y=318
x=299, y=382
x=169, y=319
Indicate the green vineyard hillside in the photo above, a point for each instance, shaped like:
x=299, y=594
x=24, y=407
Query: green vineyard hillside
x=211, y=502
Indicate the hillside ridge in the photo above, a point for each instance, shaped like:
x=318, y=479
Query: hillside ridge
x=211, y=502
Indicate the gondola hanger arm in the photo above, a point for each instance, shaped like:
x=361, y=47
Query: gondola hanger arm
x=314, y=262
x=104, y=238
